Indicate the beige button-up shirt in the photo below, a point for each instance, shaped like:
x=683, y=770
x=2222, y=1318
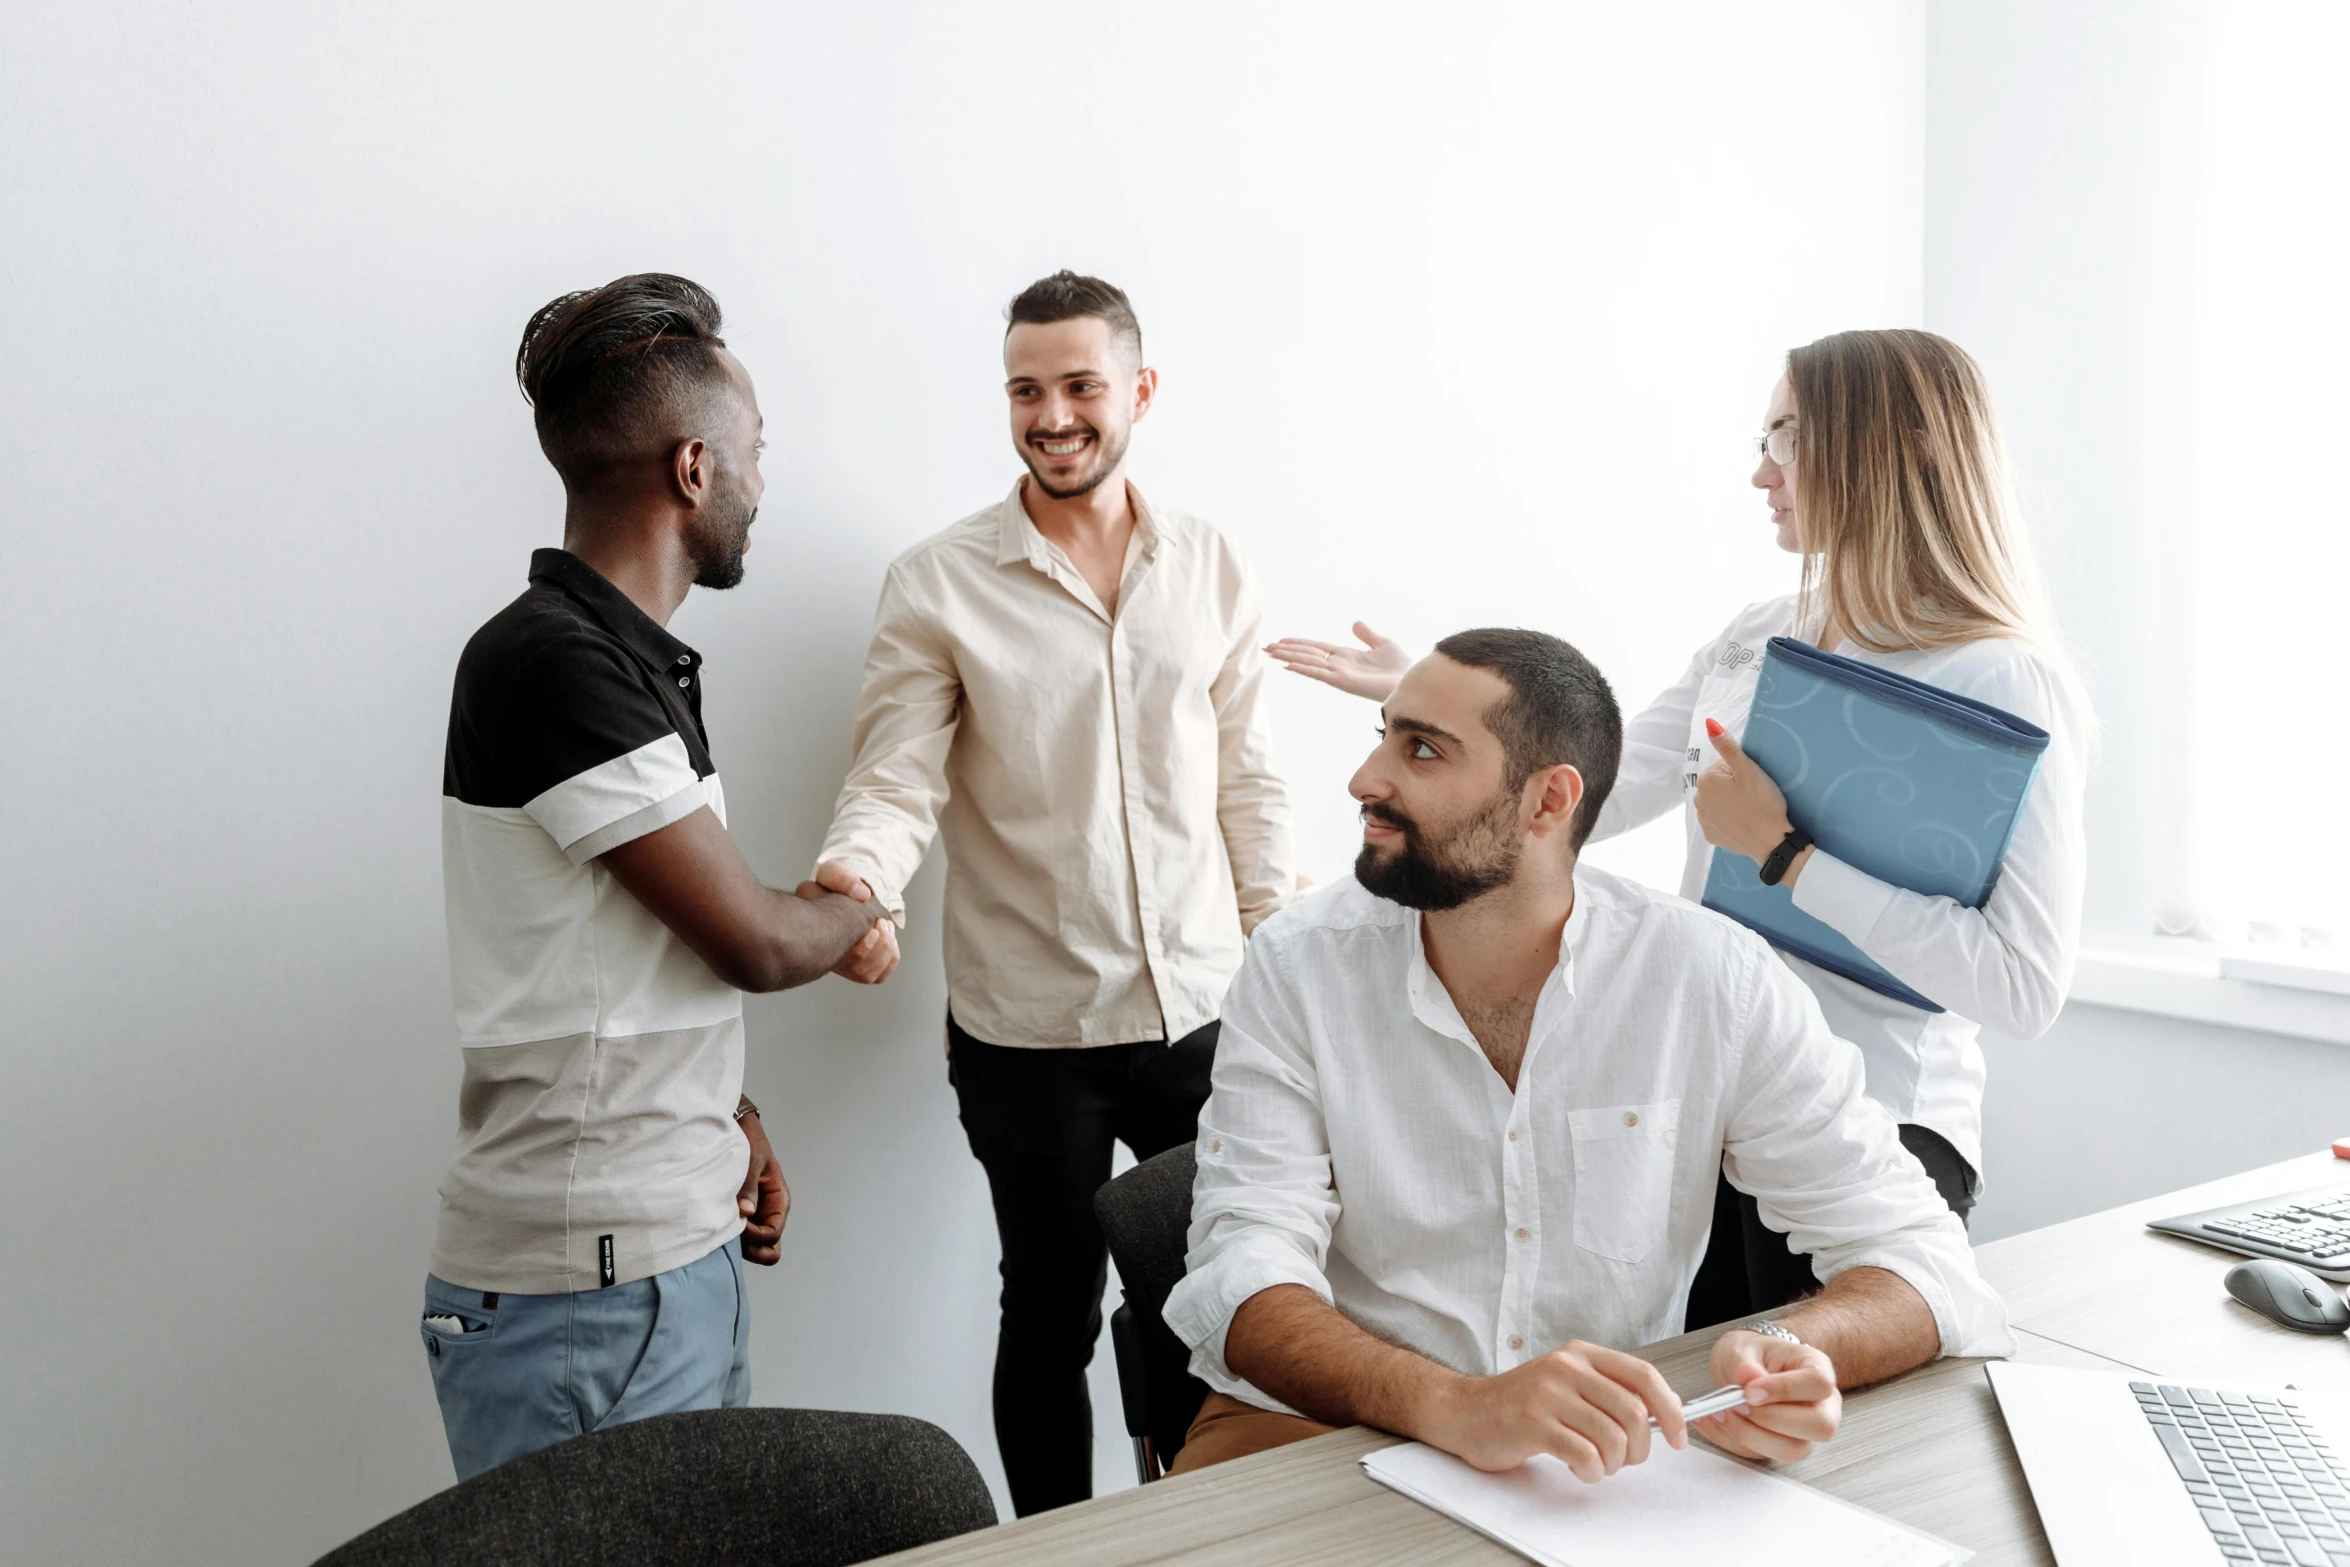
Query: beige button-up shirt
x=1104, y=781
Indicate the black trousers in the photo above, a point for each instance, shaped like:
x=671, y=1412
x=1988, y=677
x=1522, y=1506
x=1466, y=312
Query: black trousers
x=1748, y=1269
x=1042, y=1123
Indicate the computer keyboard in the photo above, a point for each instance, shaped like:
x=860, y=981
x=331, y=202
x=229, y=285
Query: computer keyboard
x=2268, y=1486
x=2310, y=1228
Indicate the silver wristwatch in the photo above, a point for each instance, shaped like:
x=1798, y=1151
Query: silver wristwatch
x=1769, y=1329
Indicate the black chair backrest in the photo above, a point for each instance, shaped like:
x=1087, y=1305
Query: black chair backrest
x=1144, y=1215
x=775, y=1487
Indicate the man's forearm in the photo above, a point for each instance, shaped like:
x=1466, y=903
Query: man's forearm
x=1870, y=1322
x=811, y=934
x=692, y=878
x=1294, y=1345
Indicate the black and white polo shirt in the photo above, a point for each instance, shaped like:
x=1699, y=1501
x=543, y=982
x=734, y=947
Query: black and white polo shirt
x=596, y=1133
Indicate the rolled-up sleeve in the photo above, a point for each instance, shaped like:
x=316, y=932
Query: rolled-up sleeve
x=1262, y=1206
x=1825, y=1165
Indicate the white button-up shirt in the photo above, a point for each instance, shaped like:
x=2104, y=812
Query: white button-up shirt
x=1103, y=779
x=1359, y=1143
x=2006, y=965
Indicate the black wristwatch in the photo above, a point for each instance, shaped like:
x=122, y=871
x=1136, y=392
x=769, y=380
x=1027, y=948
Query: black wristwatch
x=1796, y=841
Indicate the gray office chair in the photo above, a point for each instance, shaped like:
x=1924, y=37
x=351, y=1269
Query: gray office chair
x=1144, y=1215
x=771, y=1487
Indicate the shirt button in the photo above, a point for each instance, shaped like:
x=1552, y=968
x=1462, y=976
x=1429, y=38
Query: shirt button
x=1631, y=1118
x=1513, y=1134
x=684, y=681
x=1524, y=1233
x=1217, y=1146
x=1516, y=1342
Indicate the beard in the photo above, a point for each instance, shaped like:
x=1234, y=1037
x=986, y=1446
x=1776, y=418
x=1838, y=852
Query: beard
x=1427, y=873
x=719, y=535
x=1107, y=455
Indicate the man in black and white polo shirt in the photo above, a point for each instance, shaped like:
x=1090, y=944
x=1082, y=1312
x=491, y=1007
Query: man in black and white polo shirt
x=602, y=924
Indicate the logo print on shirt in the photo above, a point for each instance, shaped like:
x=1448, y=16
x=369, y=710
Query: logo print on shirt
x=604, y=1260
x=1733, y=656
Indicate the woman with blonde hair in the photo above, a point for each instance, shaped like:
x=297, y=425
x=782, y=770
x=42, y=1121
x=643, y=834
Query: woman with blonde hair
x=1882, y=465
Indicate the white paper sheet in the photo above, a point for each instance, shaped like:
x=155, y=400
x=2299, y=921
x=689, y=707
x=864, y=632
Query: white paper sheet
x=1688, y=1508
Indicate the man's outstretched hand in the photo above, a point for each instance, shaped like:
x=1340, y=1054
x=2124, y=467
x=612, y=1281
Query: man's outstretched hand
x=873, y=958
x=765, y=1202
x=1793, y=1404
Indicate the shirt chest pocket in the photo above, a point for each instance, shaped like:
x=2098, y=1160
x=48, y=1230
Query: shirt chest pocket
x=1623, y=1176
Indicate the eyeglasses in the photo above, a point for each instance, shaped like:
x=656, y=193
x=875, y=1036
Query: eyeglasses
x=1778, y=445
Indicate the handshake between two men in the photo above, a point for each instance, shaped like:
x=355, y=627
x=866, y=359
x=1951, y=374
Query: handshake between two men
x=875, y=956
x=1105, y=872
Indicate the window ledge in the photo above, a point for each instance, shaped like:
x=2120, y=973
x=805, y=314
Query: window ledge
x=2196, y=981
x=2270, y=970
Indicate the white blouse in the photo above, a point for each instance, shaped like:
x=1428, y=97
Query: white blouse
x=2005, y=966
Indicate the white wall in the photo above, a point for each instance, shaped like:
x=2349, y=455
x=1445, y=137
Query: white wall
x=2109, y=1106
x=2052, y=215
x=1464, y=316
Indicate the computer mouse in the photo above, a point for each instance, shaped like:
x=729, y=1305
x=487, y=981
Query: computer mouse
x=2288, y=1296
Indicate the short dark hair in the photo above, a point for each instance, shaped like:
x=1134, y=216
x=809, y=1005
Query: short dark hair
x=1559, y=710
x=1067, y=296
x=611, y=373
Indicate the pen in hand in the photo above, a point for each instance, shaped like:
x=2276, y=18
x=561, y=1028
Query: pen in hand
x=1713, y=1403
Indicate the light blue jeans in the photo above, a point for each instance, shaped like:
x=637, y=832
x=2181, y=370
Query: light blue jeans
x=528, y=1371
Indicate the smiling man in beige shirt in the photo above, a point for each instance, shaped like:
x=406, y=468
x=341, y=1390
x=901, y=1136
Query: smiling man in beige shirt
x=1066, y=687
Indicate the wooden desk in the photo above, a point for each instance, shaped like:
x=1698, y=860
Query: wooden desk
x=2108, y=1285
x=1928, y=1448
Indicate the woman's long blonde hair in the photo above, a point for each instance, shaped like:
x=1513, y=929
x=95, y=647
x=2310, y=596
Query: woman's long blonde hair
x=1906, y=514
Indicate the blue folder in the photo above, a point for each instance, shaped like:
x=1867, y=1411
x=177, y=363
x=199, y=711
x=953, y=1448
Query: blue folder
x=1915, y=785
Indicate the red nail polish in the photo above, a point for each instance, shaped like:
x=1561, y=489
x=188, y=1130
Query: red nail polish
x=1713, y=728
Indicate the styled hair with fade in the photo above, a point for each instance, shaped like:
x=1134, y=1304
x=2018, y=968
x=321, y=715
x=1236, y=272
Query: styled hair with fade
x=1559, y=709
x=1069, y=296
x=613, y=374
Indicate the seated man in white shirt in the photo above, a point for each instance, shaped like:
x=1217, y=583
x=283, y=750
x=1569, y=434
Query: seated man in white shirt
x=1468, y=1109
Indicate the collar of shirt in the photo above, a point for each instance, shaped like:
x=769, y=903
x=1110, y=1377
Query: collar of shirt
x=1433, y=1005
x=1018, y=537
x=644, y=635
